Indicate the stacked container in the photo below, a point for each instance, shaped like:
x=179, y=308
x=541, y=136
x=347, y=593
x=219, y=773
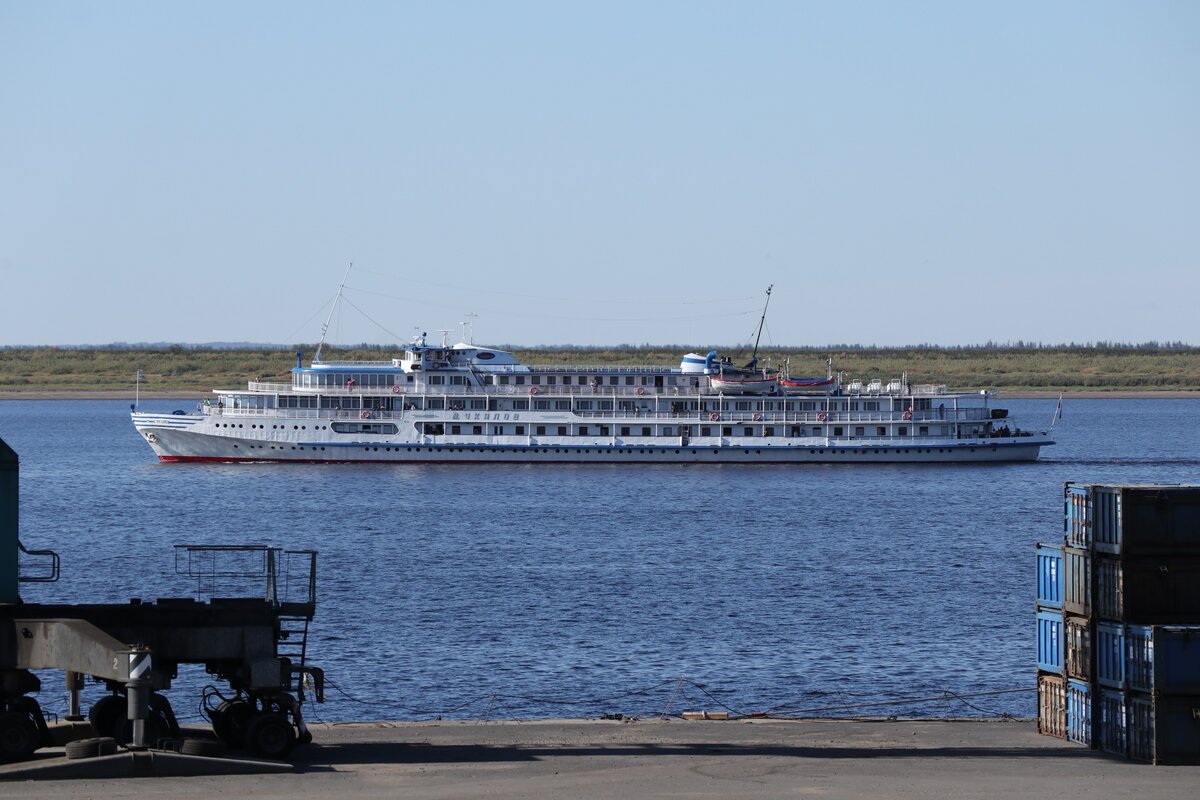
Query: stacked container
x=1128, y=680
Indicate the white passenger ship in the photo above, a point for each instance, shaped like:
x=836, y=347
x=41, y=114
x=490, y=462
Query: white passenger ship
x=466, y=403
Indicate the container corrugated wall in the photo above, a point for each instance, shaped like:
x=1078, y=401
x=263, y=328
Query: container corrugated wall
x=1050, y=641
x=1049, y=576
x=1164, y=730
x=1146, y=591
x=1079, y=712
x=1112, y=656
x=1052, y=705
x=1164, y=659
x=1077, y=647
x=1111, y=722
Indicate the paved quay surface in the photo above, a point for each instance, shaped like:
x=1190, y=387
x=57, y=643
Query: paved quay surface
x=671, y=759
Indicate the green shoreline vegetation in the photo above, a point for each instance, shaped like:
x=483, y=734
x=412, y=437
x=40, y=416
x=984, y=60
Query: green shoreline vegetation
x=1103, y=367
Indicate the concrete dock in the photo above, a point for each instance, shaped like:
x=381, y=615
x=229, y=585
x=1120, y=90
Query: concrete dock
x=675, y=758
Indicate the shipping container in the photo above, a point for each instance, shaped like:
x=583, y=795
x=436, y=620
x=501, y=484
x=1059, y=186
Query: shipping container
x=1077, y=582
x=1112, y=657
x=1077, y=531
x=1050, y=646
x=1163, y=659
x=1049, y=576
x=1077, y=647
x=1079, y=713
x=1052, y=705
x=1162, y=590
x=1111, y=722
x=1164, y=729
x=1145, y=520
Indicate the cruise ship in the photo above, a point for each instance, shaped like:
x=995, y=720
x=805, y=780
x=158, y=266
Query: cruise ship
x=467, y=403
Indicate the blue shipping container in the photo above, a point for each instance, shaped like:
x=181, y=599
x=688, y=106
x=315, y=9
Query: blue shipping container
x=1133, y=520
x=1079, y=713
x=1112, y=656
x=1077, y=532
x=1164, y=730
x=1111, y=722
x=1163, y=659
x=1050, y=641
x=1049, y=576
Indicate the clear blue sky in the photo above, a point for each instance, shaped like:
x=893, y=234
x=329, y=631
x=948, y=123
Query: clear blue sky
x=603, y=173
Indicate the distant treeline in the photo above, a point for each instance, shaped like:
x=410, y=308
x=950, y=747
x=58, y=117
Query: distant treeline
x=1013, y=366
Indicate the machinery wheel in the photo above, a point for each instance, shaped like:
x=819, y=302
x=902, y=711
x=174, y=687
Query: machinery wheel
x=230, y=721
x=19, y=736
x=106, y=746
x=105, y=712
x=158, y=727
x=305, y=738
x=270, y=736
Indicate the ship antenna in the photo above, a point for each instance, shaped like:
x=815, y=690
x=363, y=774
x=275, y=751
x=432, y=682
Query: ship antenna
x=325, y=327
x=754, y=357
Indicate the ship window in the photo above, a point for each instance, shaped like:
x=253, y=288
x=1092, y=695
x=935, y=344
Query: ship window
x=624, y=431
x=562, y=405
x=666, y=431
x=705, y=431
x=478, y=404
x=562, y=430
x=485, y=356
x=520, y=380
x=839, y=431
x=817, y=430
x=748, y=431
x=437, y=380
x=566, y=380
x=614, y=380
x=458, y=379
x=881, y=431
x=551, y=379
x=604, y=430
x=520, y=405
x=477, y=430
x=584, y=405
x=504, y=380
x=535, y=379
x=456, y=429
x=923, y=430
x=541, y=405
x=727, y=431
x=860, y=431
x=520, y=430
x=497, y=430
x=604, y=405
x=645, y=431
x=903, y=430
x=541, y=430
x=583, y=431
x=768, y=431
x=629, y=380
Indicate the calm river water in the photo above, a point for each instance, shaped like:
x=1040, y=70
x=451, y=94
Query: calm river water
x=499, y=591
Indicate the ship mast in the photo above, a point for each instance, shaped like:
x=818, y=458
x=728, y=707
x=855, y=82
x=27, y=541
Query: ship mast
x=325, y=327
x=754, y=357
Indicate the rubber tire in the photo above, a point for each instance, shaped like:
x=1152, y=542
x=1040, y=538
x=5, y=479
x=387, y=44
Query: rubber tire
x=19, y=736
x=106, y=746
x=230, y=721
x=209, y=748
x=105, y=712
x=83, y=748
x=270, y=736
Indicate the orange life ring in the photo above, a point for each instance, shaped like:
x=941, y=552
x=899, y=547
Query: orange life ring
x=715, y=417
x=757, y=417
x=641, y=390
x=365, y=414
x=822, y=417
x=395, y=388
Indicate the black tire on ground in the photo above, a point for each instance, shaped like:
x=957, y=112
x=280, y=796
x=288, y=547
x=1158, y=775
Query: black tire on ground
x=210, y=748
x=19, y=736
x=104, y=714
x=106, y=746
x=270, y=736
x=83, y=748
x=305, y=738
x=230, y=721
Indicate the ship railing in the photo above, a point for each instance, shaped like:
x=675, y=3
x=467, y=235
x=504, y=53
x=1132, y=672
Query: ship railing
x=284, y=578
x=268, y=386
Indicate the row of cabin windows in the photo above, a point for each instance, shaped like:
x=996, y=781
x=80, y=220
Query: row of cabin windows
x=438, y=429
x=589, y=380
